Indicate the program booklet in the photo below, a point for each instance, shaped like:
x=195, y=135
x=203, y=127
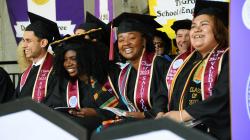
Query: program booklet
x=117, y=111
x=63, y=108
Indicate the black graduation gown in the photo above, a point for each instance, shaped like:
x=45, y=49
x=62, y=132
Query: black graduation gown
x=214, y=111
x=28, y=86
x=6, y=86
x=86, y=95
x=158, y=90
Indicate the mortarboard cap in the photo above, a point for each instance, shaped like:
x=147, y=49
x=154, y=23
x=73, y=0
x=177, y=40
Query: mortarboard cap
x=30, y=120
x=217, y=8
x=127, y=22
x=46, y=28
x=92, y=22
x=181, y=24
x=165, y=39
x=74, y=38
x=162, y=35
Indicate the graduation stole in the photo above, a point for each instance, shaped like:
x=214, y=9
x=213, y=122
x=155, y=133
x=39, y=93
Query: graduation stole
x=113, y=101
x=40, y=86
x=24, y=77
x=143, y=82
x=175, y=65
x=73, y=98
x=39, y=89
x=210, y=73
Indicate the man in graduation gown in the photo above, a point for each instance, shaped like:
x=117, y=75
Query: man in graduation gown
x=181, y=28
x=37, y=80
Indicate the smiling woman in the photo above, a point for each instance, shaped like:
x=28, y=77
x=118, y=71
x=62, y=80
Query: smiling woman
x=142, y=81
x=81, y=67
x=199, y=91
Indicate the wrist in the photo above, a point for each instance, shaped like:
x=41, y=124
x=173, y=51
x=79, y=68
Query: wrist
x=185, y=116
x=180, y=116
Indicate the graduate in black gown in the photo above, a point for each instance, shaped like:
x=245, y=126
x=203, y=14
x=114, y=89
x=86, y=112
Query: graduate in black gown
x=37, y=79
x=182, y=41
x=84, y=84
x=141, y=82
x=200, y=90
x=90, y=23
x=6, y=86
x=162, y=45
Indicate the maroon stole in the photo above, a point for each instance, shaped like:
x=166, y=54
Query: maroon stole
x=73, y=95
x=24, y=77
x=73, y=98
x=210, y=73
x=143, y=82
x=40, y=86
x=175, y=65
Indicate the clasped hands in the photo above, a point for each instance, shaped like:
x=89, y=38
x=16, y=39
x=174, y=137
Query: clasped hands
x=178, y=116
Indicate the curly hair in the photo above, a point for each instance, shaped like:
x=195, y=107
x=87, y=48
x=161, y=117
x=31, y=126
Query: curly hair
x=91, y=57
x=22, y=60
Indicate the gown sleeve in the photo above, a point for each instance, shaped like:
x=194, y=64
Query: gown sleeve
x=55, y=97
x=159, y=92
x=6, y=85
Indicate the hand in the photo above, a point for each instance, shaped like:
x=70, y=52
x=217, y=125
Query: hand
x=173, y=115
x=83, y=112
x=159, y=115
x=178, y=116
x=138, y=115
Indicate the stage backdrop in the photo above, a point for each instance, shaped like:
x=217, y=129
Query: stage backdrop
x=67, y=13
x=240, y=68
x=168, y=11
x=104, y=10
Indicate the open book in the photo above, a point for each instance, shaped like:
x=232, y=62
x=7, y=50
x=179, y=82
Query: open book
x=117, y=111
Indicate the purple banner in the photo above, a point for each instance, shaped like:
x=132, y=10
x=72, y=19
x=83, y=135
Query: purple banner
x=240, y=68
x=104, y=10
x=67, y=14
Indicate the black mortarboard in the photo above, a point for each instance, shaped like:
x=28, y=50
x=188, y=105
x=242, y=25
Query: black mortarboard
x=127, y=22
x=181, y=24
x=33, y=120
x=92, y=22
x=162, y=35
x=165, y=39
x=44, y=27
x=217, y=8
x=74, y=38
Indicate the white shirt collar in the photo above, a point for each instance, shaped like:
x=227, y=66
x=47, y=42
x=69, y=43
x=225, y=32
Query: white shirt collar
x=39, y=62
